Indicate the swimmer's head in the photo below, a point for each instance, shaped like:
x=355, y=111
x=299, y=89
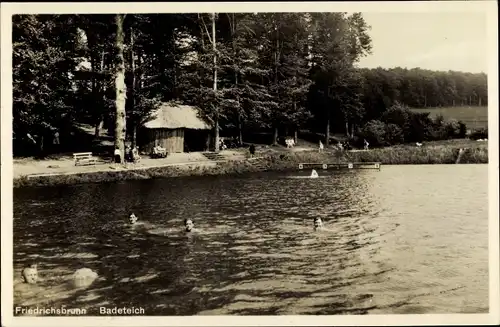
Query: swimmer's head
x=318, y=223
x=30, y=274
x=188, y=223
x=132, y=218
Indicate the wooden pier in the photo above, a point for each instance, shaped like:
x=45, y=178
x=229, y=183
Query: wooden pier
x=349, y=165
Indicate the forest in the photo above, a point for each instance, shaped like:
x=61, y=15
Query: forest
x=275, y=72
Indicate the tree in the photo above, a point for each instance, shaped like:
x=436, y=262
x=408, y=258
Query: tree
x=120, y=87
x=94, y=76
x=284, y=48
x=243, y=96
x=337, y=42
x=42, y=99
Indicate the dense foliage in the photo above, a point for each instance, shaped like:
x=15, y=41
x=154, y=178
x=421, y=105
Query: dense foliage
x=276, y=71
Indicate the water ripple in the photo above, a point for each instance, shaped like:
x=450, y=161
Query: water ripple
x=391, y=244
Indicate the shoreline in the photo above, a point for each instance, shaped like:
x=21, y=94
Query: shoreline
x=264, y=161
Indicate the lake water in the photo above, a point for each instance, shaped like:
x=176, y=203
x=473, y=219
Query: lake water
x=405, y=239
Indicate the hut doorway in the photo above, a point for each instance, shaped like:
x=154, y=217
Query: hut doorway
x=195, y=140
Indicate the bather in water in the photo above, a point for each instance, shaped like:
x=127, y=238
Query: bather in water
x=189, y=225
x=30, y=274
x=318, y=224
x=132, y=218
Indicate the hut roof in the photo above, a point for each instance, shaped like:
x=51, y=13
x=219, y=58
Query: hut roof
x=173, y=116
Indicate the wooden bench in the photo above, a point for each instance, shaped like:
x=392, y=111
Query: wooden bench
x=84, y=158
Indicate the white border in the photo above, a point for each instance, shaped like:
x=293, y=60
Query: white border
x=8, y=9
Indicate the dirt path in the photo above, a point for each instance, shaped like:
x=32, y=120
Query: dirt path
x=31, y=167
x=65, y=165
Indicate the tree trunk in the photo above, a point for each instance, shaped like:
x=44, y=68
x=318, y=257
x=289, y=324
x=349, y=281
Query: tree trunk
x=480, y=101
x=175, y=70
x=41, y=147
x=233, y=32
x=352, y=130
x=120, y=125
x=215, y=84
x=93, y=92
x=98, y=127
x=240, y=130
x=134, y=135
x=275, y=136
x=132, y=97
x=347, y=128
x=102, y=102
x=296, y=136
x=327, y=134
x=276, y=61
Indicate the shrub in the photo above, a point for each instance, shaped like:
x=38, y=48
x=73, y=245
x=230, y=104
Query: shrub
x=439, y=130
x=394, y=134
x=421, y=128
x=462, y=129
x=374, y=132
x=397, y=114
x=452, y=128
x=480, y=133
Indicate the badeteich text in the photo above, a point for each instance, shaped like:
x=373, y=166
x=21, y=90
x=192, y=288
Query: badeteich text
x=121, y=311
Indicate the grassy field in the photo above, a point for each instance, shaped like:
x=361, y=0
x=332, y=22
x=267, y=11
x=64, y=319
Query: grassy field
x=473, y=117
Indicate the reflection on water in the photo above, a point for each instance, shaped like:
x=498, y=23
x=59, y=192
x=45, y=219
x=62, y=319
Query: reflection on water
x=406, y=239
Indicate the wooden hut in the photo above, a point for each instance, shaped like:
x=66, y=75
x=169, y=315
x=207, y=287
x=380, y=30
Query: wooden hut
x=175, y=127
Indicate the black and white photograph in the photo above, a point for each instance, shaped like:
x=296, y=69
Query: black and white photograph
x=227, y=163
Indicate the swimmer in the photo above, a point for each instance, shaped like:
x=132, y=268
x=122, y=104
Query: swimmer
x=188, y=223
x=318, y=223
x=30, y=274
x=314, y=174
x=132, y=218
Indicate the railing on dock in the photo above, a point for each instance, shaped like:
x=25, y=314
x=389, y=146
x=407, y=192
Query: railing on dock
x=349, y=165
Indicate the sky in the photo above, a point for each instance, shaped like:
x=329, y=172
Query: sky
x=436, y=41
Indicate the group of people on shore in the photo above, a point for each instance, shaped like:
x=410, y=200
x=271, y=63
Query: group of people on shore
x=131, y=155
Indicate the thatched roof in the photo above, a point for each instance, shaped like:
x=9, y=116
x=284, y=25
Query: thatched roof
x=173, y=116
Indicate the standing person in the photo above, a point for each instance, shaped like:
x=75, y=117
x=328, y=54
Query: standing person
x=118, y=155
x=321, y=147
x=55, y=140
x=252, y=150
x=135, y=154
x=128, y=154
x=366, y=144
